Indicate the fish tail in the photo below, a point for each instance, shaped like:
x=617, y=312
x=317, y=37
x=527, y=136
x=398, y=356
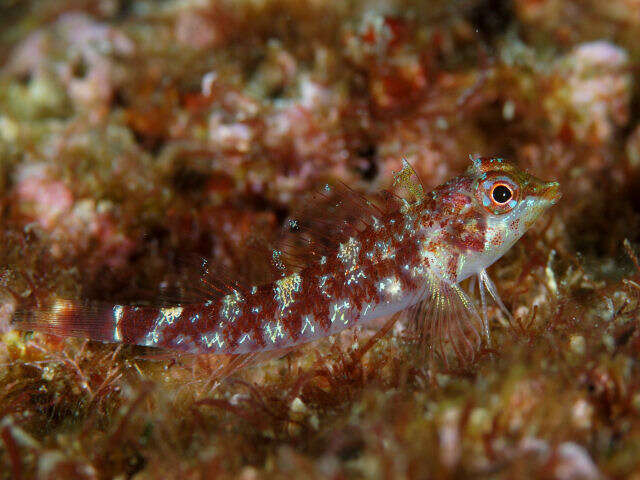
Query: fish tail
x=99, y=321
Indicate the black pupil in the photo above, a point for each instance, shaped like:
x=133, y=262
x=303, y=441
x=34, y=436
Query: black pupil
x=501, y=194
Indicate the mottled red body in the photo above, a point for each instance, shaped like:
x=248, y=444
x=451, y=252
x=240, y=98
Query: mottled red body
x=410, y=253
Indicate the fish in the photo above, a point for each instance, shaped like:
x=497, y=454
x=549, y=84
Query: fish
x=357, y=259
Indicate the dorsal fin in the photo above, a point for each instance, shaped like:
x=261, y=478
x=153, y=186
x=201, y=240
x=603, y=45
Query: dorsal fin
x=198, y=279
x=194, y=281
x=332, y=215
x=329, y=217
x=407, y=179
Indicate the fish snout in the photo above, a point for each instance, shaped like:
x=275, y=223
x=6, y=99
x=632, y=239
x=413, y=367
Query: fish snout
x=551, y=192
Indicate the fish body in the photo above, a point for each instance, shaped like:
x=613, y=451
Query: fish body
x=412, y=256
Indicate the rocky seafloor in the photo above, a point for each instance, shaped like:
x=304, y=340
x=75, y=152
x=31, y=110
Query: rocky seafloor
x=134, y=132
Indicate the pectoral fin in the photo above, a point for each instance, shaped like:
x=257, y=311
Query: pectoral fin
x=447, y=321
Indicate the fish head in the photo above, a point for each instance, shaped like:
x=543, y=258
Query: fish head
x=475, y=218
x=507, y=200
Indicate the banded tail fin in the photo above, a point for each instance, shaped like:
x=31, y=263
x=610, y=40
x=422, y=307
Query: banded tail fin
x=99, y=321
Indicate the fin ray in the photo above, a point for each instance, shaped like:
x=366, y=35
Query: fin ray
x=334, y=214
x=67, y=318
x=447, y=319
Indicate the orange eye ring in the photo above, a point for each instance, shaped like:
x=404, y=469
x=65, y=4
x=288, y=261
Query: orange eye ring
x=501, y=193
x=497, y=194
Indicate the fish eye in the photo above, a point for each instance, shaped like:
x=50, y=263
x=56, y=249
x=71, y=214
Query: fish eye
x=497, y=193
x=501, y=193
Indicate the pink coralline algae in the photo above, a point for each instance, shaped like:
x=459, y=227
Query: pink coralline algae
x=89, y=71
x=594, y=93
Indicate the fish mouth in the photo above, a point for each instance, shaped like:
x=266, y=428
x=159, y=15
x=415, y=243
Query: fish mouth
x=551, y=192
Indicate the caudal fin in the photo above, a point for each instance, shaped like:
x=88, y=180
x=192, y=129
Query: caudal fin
x=70, y=318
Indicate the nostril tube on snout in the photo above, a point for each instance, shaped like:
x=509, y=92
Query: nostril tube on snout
x=552, y=192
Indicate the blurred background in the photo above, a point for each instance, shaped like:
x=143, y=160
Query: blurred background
x=132, y=132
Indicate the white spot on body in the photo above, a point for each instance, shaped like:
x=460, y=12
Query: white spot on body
x=410, y=223
x=431, y=253
x=210, y=339
x=170, y=315
x=465, y=208
x=231, y=310
x=385, y=250
x=308, y=325
x=284, y=290
x=353, y=277
x=117, y=316
x=418, y=271
x=423, y=248
x=207, y=82
x=339, y=310
x=390, y=285
x=167, y=316
x=348, y=253
x=152, y=338
x=273, y=331
x=322, y=284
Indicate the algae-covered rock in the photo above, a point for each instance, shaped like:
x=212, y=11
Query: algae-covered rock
x=136, y=133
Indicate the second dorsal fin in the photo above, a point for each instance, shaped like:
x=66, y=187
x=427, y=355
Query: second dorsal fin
x=329, y=218
x=326, y=219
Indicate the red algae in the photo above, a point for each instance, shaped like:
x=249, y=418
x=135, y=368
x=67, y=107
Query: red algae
x=135, y=133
